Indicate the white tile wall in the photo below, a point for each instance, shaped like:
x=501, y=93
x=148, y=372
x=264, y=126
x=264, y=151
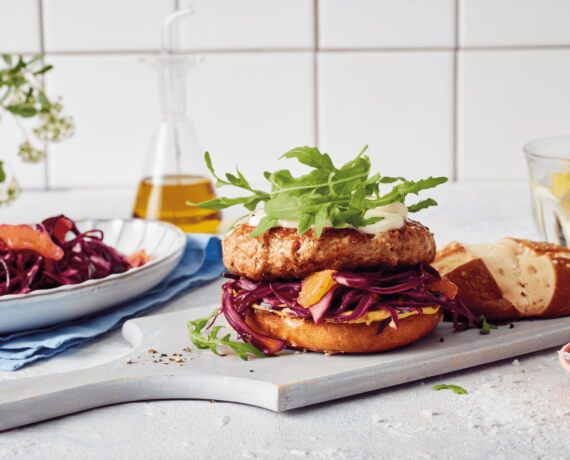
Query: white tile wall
x=87, y=25
x=247, y=108
x=250, y=108
x=514, y=22
x=505, y=100
x=248, y=24
x=386, y=23
x=376, y=98
x=19, y=26
x=114, y=102
x=280, y=73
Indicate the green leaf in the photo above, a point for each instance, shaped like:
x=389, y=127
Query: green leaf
x=320, y=220
x=485, y=326
x=209, y=165
x=305, y=223
x=422, y=205
x=284, y=206
x=390, y=180
x=19, y=65
x=310, y=156
x=2, y=172
x=455, y=388
x=219, y=203
x=43, y=70
x=264, y=224
x=371, y=220
x=7, y=59
x=212, y=341
x=22, y=110
x=341, y=196
x=42, y=98
x=36, y=58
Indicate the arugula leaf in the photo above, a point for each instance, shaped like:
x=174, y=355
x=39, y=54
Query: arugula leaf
x=455, y=388
x=212, y=341
x=324, y=196
x=422, y=205
x=311, y=156
x=485, y=326
x=320, y=221
x=264, y=224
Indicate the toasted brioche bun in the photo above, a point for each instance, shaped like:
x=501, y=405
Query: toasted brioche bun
x=341, y=337
x=510, y=279
x=280, y=253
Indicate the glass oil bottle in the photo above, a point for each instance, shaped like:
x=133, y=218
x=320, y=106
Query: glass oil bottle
x=174, y=171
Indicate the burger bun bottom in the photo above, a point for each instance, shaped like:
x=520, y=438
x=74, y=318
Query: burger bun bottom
x=334, y=337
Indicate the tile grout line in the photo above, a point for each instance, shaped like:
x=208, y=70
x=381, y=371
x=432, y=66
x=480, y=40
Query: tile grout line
x=182, y=52
x=454, y=82
x=308, y=50
x=47, y=179
x=316, y=72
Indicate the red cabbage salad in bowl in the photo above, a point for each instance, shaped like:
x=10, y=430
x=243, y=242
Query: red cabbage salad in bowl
x=55, y=253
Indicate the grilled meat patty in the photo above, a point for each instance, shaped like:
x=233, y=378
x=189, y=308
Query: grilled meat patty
x=282, y=254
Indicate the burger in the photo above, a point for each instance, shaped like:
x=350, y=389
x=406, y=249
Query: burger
x=330, y=263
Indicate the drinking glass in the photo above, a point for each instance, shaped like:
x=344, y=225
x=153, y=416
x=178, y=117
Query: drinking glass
x=548, y=163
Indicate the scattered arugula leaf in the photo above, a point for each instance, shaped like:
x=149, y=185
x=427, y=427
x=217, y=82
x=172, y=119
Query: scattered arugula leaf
x=455, y=388
x=212, y=341
x=485, y=326
x=327, y=195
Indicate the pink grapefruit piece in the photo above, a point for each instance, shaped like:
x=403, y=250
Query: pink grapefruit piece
x=564, y=357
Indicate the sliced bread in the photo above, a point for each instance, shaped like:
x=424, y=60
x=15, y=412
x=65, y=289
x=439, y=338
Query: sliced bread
x=510, y=279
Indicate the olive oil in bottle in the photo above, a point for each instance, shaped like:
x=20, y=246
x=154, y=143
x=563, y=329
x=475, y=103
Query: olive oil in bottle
x=165, y=198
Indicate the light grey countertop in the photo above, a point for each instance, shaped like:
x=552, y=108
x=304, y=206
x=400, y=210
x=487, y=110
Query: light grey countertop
x=514, y=409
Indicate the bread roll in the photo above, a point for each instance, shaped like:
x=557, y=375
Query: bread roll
x=342, y=337
x=510, y=279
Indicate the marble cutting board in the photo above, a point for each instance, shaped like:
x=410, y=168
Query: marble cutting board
x=290, y=381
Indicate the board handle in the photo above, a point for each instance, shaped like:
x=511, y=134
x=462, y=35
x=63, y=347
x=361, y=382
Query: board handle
x=35, y=399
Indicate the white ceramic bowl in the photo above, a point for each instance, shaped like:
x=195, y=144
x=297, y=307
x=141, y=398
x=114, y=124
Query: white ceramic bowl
x=164, y=244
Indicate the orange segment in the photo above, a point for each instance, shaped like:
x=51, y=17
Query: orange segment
x=445, y=286
x=137, y=259
x=315, y=286
x=20, y=237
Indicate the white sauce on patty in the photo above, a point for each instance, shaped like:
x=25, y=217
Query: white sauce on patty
x=394, y=216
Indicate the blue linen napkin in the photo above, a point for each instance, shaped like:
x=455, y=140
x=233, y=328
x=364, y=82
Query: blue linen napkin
x=200, y=263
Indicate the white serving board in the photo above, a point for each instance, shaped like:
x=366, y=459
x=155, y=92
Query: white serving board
x=289, y=381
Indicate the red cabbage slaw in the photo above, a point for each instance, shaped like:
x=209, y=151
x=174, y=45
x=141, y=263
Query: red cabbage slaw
x=355, y=294
x=84, y=257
